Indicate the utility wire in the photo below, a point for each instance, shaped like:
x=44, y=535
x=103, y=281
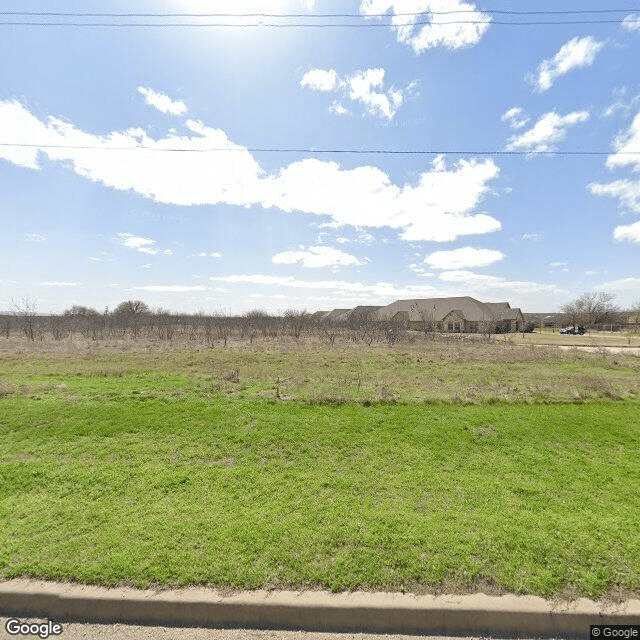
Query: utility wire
x=436, y=152
x=304, y=15
x=306, y=25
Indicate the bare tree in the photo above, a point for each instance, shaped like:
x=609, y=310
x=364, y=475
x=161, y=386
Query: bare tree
x=130, y=314
x=295, y=321
x=428, y=321
x=591, y=309
x=633, y=316
x=5, y=325
x=26, y=311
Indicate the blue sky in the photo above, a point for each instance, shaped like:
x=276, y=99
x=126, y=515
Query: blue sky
x=97, y=208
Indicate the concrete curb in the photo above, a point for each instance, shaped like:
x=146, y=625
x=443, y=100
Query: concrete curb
x=525, y=616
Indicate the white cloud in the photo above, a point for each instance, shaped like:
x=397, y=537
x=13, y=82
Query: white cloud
x=362, y=88
x=437, y=208
x=628, y=141
x=478, y=283
x=60, y=284
x=463, y=258
x=574, y=54
x=33, y=237
x=169, y=288
x=317, y=256
x=141, y=244
x=380, y=289
x=621, y=105
x=439, y=205
x=366, y=87
x=515, y=117
x=469, y=30
x=558, y=265
x=458, y=283
x=631, y=22
x=163, y=102
x=204, y=254
x=94, y=259
x=320, y=80
x=628, y=232
x=365, y=238
x=337, y=108
x=549, y=129
x=530, y=236
x=627, y=191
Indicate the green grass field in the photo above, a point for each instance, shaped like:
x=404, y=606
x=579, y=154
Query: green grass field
x=346, y=468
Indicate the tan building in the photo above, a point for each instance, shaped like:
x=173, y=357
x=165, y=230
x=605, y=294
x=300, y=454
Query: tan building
x=454, y=315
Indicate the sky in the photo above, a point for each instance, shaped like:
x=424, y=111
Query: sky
x=212, y=168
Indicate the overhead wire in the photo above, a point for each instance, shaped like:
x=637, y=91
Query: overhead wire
x=312, y=151
x=307, y=25
x=307, y=15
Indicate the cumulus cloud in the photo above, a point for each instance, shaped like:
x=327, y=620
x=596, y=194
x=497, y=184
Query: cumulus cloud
x=515, y=118
x=366, y=87
x=141, y=244
x=574, y=54
x=631, y=22
x=626, y=190
x=628, y=232
x=337, y=108
x=548, y=130
x=320, y=80
x=317, y=256
x=163, y=102
x=463, y=258
x=440, y=204
x=471, y=24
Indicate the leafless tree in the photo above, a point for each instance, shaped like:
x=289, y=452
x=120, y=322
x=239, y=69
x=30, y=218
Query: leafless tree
x=5, y=325
x=295, y=321
x=428, y=322
x=633, y=316
x=130, y=314
x=591, y=309
x=26, y=311
x=82, y=319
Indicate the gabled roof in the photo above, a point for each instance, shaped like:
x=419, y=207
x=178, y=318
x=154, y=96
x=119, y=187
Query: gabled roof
x=436, y=309
x=337, y=315
x=364, y=312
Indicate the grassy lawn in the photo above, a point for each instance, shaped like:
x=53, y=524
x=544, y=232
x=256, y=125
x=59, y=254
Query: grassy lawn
x=166, y=468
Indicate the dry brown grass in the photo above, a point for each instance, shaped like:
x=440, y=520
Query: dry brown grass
x=461, y=369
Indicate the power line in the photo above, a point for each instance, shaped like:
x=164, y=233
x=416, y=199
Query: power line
x=306, y=15
x=372, y=25
x=435, y=152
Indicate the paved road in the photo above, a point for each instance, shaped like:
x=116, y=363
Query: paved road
x=79, y=631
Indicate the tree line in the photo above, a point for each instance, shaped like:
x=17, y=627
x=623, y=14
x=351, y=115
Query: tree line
x=134, y=319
